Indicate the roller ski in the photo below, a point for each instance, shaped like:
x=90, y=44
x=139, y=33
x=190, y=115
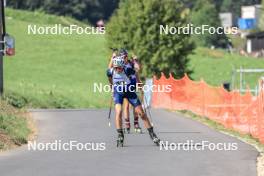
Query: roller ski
x=153, y=136
x=120, y=139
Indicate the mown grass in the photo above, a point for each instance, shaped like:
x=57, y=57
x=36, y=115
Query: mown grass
x=217, y=66
x=39, y=17
x=58, y=71
x=14, y=126
x=54, y=71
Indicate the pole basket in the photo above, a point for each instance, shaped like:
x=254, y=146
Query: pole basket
x=9, y=45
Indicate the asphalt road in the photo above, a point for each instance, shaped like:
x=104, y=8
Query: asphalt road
x=139, y=156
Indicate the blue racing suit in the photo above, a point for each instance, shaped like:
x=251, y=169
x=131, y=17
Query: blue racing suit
x=124, y=86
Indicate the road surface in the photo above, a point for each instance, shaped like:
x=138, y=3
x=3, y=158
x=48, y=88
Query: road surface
x=138, y=157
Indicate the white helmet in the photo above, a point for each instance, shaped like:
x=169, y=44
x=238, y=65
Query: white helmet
x=118, y=61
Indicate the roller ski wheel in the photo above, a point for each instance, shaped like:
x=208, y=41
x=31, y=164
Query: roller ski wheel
x=138, y=130
x=155, y=139
x=120, y=141
x=127, y=130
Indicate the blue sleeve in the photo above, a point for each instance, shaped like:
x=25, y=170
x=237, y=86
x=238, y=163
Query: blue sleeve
x=129, y=71
x=109, y=72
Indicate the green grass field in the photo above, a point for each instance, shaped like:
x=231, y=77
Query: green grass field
x=54, y=70
x=58, y=71
x=216, y=67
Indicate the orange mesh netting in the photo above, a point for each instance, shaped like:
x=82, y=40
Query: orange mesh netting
x=243, y=113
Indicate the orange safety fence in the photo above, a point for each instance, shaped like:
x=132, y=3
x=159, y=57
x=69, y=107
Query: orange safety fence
x=243, y=113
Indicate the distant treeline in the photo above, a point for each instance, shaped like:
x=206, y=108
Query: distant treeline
x=84, y=10
x=93, y=10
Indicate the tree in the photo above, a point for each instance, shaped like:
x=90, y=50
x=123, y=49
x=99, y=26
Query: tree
x=79, y=9
x=227, y=5
x=85, y=10
x=136, y=26
x=19, y=4
x=205, y=13
x=235, y=6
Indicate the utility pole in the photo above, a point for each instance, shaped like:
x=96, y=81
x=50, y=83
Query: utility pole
x=2, y=33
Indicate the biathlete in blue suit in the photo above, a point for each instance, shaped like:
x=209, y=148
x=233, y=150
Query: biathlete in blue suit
x=135, y=80
x=120, y=79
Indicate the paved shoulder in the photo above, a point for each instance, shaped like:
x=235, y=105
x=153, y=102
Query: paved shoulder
x=139, y=156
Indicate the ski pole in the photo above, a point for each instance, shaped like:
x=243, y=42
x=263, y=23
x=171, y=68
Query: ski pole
x=109, y=114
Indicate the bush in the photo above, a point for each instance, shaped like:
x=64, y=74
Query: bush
x=136, y=26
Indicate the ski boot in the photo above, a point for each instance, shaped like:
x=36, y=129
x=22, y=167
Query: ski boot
x=137, y=128
x=120, y=138
x=153, y=136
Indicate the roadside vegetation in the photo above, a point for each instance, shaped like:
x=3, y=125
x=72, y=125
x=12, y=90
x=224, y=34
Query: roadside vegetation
x=16, y=127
